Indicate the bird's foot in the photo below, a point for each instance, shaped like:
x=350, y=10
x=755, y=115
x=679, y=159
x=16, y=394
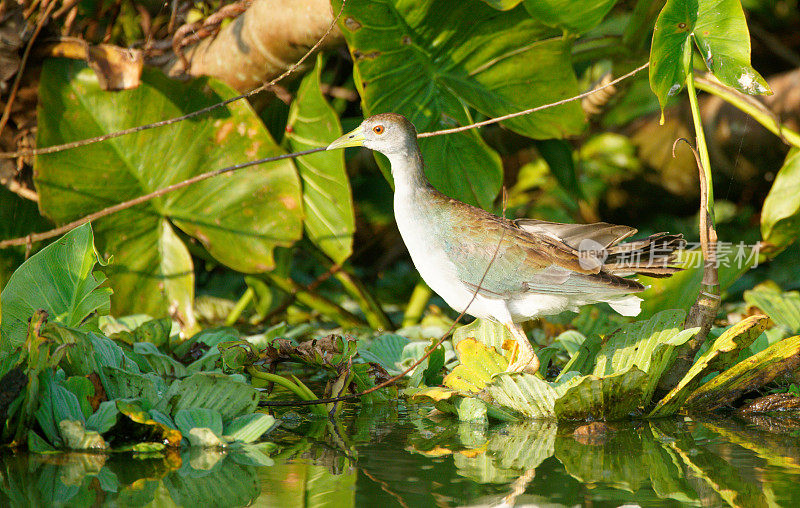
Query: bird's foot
x=524, y=361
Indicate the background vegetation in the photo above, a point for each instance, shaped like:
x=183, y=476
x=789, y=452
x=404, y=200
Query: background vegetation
x=213, y=284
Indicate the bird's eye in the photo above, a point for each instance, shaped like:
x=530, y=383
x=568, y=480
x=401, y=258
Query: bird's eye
x=378, y=129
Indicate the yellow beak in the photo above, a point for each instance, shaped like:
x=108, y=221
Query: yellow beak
x=352, y=138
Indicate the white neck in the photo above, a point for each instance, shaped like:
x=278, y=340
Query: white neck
x=408, y=173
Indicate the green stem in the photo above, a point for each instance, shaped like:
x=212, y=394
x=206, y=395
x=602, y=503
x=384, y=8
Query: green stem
x=316, y=302
x=240, y=306
x=750, y=106
x=297, y=388
x=416, y=304
x=702, y=148
x=372, y=310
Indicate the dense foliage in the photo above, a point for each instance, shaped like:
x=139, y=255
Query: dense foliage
x=161, y=324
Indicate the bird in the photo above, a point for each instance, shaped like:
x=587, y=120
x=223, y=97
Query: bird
x=508, y=271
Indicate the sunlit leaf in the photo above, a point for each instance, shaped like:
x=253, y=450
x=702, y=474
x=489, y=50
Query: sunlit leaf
x=198, y=418
x=150, y=429
x=249, y=428
x=719, y=29
x=76, y=437
x=609, y=397
x=430, y=60
x=502, y=5
x=57, y=279
x=782, y=307
x=647, y=345
x=328, y=202
x=747, y=375
x=527, y=394
x=723, y=39
x=722, y=353
x=780, y=215
x=490, y=333
x=478, y=363
x=239, y=217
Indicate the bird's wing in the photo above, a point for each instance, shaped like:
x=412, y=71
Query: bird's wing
x=573, y=234
x=516, y=261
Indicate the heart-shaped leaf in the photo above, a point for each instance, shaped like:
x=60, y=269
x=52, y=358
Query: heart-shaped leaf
x=58, y=279
x=239, y=217
x=433, y=59
x=328, y=202
x=719, y=29
x=780, y=216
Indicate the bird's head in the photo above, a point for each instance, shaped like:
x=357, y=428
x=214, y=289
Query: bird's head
x=388, y=133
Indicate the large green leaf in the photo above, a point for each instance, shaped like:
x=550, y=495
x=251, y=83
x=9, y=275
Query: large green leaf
x=429, y=60
x=647, y=345
x=780, y=215
x=327, y=199
x=239, y=217
x=782, y=307
x=748, y=375
x=58, y=279
x=575, y=16
x=218, y=392
x=719, y=356
x=719, y=29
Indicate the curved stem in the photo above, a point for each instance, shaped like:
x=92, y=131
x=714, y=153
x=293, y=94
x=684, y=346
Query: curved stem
x=752, y=107
x=297, y=388
x=702, y=148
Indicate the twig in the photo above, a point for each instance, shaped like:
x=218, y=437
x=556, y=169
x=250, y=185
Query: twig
x=37, y=237
x=170, y=121
x=24, y=60
x=533, y=110
x=706, y=306
x=141, y=199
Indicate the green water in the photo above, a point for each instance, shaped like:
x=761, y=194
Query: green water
x=385, y=456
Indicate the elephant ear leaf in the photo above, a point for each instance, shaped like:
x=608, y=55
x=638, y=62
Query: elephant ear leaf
x=327, y=199
x=718, y=29
x=433, y=61
x=239, y=217
x=58, y=279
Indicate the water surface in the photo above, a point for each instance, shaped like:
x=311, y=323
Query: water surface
x=395, y=456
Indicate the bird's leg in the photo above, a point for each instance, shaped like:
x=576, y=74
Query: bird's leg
x=524, y=359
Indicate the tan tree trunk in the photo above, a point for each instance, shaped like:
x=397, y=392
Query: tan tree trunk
x=261, y=43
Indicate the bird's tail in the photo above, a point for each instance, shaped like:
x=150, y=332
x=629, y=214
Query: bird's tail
x=653, y=256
